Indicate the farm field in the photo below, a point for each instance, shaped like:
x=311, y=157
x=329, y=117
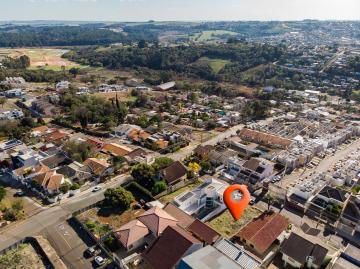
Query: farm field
x=211, y=35
x=45, y=58
x=215, y=64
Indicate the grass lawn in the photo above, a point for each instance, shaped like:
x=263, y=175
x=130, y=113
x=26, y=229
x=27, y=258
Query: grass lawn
x=169, y=197
x=228, y=227
x=215, y=64
x=23, y=256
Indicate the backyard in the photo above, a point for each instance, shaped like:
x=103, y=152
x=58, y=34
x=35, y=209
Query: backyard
x=22, y=257
x=228, y=227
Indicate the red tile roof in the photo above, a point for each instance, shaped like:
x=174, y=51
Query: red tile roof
x=157, y=220
x=131, y=232
x=264, y=230
x=169, y=248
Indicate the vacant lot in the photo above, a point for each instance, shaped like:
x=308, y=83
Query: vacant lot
x=46, y=58
x=22, y=257
x=228, y=227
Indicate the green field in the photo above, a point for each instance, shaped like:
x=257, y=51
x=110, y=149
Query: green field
x=212, y=35
x=215, y=64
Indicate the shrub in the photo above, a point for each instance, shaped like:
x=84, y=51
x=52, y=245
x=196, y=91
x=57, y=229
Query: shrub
x=159, y=187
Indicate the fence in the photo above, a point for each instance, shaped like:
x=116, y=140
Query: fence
x=34, y=243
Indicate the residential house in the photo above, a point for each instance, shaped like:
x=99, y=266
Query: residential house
x=11, y=114
x=100, y=168
x=184, y=220
x=10, y=144
x=301, y=253
x=139, y=155
x=57, y=137
x=255, y=170
x=238, y=254
x=157, y=220
x=174, y=175
x=62, y=85
x=262, y=233
x=116, y=149
x=165, y=86
x=96, y=143
x=204, y=201
x=56, y=160
x=75, y=172
x=40, y=131
x=265, y=138
x=132, y=234
x=208, y=257
x=202, y=152
x=349, y=223
x=125, y=129
x=50, y=181
x=27, y=157
x=203, y=232
x=167, y=251
x=14, y=93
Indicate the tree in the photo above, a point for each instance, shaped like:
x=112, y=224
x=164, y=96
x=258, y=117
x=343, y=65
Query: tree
x=270, y=200
x=75, y=186
x=2, y=193
x=65, y=187
x=82, y=115
x=205, y=165
x=142, y=44
x=193, y=97
x=159, y=187
x=74, y=71
x=78, y=151
x=121, y=111
x=118, y=198
x=144, y=174
x=17, y=206
x=162, y=162
x=194, y=167
x=3, y=101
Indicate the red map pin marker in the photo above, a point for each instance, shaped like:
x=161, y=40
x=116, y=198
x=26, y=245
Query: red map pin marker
x=236, y=198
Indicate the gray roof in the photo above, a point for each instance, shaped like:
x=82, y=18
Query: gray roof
x=238, y=254
x=209, y=258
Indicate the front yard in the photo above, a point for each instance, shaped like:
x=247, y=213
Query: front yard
x=228, y=227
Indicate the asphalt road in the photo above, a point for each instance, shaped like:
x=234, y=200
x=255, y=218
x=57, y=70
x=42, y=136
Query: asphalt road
x=55, y=215
x=70, y=245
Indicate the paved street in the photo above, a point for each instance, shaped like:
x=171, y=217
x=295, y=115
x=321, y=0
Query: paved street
x=56, y=214
x=70, y=245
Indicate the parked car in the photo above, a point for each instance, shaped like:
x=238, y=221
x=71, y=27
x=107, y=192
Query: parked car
x=19, y=194
x=99, y=260
x=97, y=188
x=252, y=202
x=91, y=251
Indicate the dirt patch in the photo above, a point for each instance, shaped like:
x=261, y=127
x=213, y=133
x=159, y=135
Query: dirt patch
x=23, y=256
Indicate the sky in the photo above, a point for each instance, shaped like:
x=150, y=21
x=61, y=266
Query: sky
x=178, y=10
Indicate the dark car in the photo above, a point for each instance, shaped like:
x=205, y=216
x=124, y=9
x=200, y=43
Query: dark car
x=19, y=194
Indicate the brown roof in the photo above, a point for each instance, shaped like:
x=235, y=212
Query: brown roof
x=265, y=138
x=264, y=230
x=116, y=149
x=49, y=180
x=156, y=219
x=97, y=166
x=56, y=136
x=203, y=150
x=204, y=232
x=139, y=152
x=40, y=129
x=169, y=248
x=161, y=143
x=174, y=172
x=184, y=219
x=131, y=232
x=299, y=248
x=252, y=164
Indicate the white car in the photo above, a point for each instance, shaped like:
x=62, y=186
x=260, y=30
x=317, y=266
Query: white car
x=96, y=189
x=99, y=260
